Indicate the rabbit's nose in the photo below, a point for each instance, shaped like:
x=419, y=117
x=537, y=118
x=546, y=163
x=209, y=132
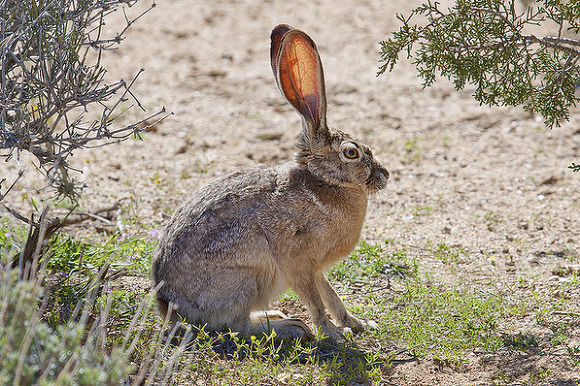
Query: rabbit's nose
x=381, y=176
x=378, y=179
x=385, y=173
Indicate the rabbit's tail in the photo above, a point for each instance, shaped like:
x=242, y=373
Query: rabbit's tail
x=178, y=309
x=163, y=306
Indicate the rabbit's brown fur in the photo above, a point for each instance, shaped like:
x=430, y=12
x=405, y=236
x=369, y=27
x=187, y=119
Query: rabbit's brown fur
x=239, y=242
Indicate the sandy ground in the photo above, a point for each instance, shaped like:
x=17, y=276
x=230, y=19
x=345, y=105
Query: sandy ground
x=492, y=181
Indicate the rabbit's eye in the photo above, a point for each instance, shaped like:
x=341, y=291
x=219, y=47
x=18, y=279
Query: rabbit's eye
x=350, y=153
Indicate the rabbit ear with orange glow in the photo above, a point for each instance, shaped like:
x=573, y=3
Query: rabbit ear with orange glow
x=298, y=71
x=276, y=41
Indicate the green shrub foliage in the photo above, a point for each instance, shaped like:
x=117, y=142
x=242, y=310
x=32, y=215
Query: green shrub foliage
x=487, y=43
x=33, y=353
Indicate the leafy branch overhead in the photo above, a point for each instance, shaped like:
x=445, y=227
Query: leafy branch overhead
x=489, y=44
x=52, y=77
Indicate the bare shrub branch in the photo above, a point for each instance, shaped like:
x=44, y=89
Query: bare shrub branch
x=52, y=78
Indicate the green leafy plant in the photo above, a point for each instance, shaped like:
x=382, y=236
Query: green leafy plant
x=39, y=354
x=486, y=43
x=371, y=261
x=442, y=323
x=69, y=255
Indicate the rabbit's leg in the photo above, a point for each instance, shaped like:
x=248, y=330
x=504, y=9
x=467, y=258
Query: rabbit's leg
x=337, y=309
x=309, y=294
x=228, y=304
x=227, y=299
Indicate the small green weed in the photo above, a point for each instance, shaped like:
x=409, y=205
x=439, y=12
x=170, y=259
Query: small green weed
x=155, y=178
x=422, y=211
x=289, y=295
x=203, y=167
x=492, y=217
x=413, y=150
x=574, y=353
x=445, y=253
x=521, y=342
x=11, y=237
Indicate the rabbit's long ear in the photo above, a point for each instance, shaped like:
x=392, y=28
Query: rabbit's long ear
x=298, y=71
x=276, y=42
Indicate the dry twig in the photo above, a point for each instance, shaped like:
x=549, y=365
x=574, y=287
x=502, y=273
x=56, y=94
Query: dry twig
x=50, y=82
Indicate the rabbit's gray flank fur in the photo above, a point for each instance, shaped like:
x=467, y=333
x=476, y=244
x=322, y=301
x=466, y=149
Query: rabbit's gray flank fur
x=240, y=241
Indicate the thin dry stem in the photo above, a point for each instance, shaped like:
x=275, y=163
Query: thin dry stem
x=47, y=77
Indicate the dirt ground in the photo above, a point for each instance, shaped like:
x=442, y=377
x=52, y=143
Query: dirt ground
x=492, y=181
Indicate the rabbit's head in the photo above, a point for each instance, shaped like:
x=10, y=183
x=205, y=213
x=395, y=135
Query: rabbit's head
x=334, y=157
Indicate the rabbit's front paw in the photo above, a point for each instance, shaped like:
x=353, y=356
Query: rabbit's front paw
x=370, y=324
x=358, y=325
x=330, y=333
x=335, y=336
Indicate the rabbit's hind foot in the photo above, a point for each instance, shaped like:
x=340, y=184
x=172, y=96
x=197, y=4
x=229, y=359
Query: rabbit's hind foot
x=267, y=315
x=285, y=329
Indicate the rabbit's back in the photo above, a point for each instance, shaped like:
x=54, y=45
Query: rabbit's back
x=216, y=220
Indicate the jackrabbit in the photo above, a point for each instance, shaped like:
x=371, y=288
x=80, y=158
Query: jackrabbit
x=240, y=241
